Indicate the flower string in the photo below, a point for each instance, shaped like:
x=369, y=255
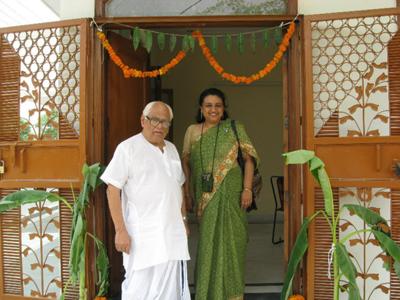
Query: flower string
x=132, y=72
x=245, y=79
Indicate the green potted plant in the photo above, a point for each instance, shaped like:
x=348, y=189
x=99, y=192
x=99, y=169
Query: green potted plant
x=342, y=263
x=79, y=233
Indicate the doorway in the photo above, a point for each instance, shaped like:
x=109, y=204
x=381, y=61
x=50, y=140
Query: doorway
x=260, y=107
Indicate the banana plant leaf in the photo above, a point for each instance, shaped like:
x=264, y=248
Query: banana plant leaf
x=19, y=198
x=300, y=247
x=102, y=264
x=298, y=157
x=348, y=269
x=390, y=247
x=370, y=217
x=92, y=174
x=317, y=169
x=77, y=247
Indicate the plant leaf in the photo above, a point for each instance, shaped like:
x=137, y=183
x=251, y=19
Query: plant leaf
x=240, y=43
x=161, y=40
x=298, y=156
x=299, y=248
x=348, y=269
x=192, y=43
x=253, y=40
x=368, y=216
x=19, y=198
x=266, y=38
x=185, y=43
x=214, y=44
x=148, y=41
x=278, y=35
x=390, y=247
x=396, y=267
x=228, y=42
x=172, y=42
x=136, y=37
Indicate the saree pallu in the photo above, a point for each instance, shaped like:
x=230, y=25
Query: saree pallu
x=220, y=264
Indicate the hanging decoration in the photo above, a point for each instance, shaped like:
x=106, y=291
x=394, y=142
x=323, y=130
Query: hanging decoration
x=132, y=72
x=145, y=37
x=245, y=79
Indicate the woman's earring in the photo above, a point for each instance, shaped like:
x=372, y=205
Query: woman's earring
x=201, y=115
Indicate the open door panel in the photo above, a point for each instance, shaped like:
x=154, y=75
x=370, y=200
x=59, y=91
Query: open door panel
x=43, y=98
x=352, y=122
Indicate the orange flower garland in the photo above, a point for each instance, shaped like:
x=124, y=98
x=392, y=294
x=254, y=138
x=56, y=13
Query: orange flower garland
x=296, y=297
x=131, y=72
x=245, y=79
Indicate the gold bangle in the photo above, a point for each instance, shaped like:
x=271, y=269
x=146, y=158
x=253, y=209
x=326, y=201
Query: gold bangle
x=247, y=189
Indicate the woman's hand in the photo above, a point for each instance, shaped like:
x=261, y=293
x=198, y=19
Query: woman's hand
x=246, y=199
x=189, y=202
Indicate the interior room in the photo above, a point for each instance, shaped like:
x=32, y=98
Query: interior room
x=258, y=106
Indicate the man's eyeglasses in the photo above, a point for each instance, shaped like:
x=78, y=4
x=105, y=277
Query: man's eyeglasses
x=155, y=122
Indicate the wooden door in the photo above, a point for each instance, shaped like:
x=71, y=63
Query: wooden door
x=352, y=122
x=125, y=100
x=42, y=143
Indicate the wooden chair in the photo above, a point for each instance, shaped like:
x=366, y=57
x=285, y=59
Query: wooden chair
x=277, y=190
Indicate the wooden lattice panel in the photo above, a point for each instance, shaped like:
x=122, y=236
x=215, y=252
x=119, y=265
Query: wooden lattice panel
x=394, y=86
x=10, y=231
x=65, y=241
x=49, y=81
x=9, y=92
x=322, y=245
x=395, y=227
x=349, y=65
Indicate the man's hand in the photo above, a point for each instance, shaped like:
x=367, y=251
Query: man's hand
x=187, y=228
x=122, y=241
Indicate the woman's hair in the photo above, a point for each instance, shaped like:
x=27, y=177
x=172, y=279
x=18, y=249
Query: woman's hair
x=211, y=92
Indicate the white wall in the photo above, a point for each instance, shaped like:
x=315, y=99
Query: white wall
x=327, y=6
x=75, y=9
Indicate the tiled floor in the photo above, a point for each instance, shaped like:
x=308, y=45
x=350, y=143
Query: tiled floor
x=264, y=265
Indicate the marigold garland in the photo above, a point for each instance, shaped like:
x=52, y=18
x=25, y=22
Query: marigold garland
x=245, y=79
x=296, y=297
x=132, y=72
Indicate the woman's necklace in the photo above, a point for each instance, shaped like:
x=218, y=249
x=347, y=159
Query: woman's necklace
x=207, y=179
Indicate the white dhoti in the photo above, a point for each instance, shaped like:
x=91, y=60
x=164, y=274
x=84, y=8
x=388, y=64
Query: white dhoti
x=167, y=281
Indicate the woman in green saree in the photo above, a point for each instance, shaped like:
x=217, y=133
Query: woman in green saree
x=222, y=194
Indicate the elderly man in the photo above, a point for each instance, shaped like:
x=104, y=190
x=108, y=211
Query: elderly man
x=150, y=220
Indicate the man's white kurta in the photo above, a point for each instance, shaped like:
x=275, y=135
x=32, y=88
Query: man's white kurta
x=151, y=182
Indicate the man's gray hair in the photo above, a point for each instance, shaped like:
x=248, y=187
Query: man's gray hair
x=149, y=106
